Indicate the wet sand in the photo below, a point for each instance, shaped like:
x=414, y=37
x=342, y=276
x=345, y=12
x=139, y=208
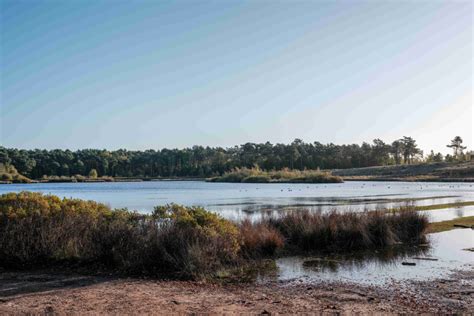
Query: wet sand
x=47, y=293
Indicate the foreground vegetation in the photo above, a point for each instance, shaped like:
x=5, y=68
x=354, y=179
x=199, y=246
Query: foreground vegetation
x=176, y=241
x=256, y=175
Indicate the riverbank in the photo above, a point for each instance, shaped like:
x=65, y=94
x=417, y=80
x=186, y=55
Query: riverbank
x=461, y=222
x=425, y=172
x=43, y=292
x=101, y=180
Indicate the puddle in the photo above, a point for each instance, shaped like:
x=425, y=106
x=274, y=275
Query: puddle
x=383, y=267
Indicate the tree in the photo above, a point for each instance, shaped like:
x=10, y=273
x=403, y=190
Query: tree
x=456, y=145
x=397, y=150
x=207, y=161
x=432, y=157
x=410, y=149
x=93, y=173
x=380, y=152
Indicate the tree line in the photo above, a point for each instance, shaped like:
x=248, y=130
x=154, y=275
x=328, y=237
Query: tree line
x=199, y=161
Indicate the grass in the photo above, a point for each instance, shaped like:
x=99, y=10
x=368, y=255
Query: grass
x=256, y=175
x=442, y=206
x=9, y=174
x=333, y=231
x=174, y=241
x=449, y=225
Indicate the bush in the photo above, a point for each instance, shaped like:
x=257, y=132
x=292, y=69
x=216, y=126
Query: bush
x=205, y=240
x=176, y=241
x=6, y=177
x=260, y=239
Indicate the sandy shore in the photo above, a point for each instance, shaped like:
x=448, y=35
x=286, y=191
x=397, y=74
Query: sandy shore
x=47, y=293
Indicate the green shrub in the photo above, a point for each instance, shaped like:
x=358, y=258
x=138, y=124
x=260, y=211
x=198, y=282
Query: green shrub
x=176, y=241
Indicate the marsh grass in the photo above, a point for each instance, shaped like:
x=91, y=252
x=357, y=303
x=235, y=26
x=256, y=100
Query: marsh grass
x=256, y=175
x=8, y=173
x=449, y=225
x=180, y=242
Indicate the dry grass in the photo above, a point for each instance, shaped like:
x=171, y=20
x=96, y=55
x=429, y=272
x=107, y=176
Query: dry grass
x=260, y=239
x=350, y=231
x=256, y=175
x=448, y=225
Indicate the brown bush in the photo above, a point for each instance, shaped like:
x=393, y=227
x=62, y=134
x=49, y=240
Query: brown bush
x=260, y=239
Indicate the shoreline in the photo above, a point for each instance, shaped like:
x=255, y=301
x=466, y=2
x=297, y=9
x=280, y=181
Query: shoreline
x=348, y=179
x=38, y=292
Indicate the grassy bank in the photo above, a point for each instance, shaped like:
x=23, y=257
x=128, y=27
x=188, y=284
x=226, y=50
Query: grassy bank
x=437, y=172
x=256, y=175
x=180, y=242
x=437, y=227
x=431, y=207
x=443, y=206
x=8, y=174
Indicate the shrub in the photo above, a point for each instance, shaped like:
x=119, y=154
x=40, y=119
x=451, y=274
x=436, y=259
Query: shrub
x=176, y=241
x=260, y=239
x=6, y=177
x=198, y=240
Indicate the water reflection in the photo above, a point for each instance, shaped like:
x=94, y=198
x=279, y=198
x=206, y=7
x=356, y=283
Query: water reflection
x=240, y=200
x=358, y=260
x=379, y=267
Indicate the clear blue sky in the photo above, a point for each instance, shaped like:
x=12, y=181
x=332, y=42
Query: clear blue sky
x=154, y=74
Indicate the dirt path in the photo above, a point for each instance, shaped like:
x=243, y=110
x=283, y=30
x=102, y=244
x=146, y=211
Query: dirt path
x=41, y=293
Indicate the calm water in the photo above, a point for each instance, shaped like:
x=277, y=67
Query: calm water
x=238, y=200
x=383, y=267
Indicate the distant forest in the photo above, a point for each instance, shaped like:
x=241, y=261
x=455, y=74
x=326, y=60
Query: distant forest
x=201, y=161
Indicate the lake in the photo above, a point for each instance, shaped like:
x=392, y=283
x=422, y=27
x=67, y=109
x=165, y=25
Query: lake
x=240, y=200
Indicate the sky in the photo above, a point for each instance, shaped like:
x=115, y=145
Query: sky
x=172, y=74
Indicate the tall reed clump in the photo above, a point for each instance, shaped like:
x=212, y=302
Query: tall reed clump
x=336, y=231
x=260, y=239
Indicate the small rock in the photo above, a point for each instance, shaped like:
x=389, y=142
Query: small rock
x=405, y=263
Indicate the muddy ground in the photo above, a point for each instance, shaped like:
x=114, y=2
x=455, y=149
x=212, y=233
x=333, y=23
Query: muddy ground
x=55, y=293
